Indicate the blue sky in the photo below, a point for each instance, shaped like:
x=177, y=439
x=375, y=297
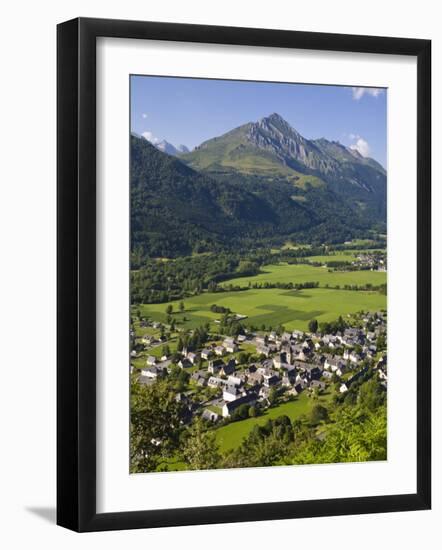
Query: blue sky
x=188, y=111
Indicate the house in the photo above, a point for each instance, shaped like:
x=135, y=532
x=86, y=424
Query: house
x=184, y=363
x=199, y=378
x=382, y=374
x=288, y=380
x=210, y=416
x=230, y=345
x=254, y=378
x=287, y=350
x=231, y=406
x=150, y=372
x=219, y=350
x=241, y=376
x=307, y=345
x=355, y=357
x=206, y=353
x=279, y=360
x=263, y=350
x=334, y=364
x=192, y=357
x=230, y=393
x=302, y=379
x=343, y=388
x=227, y=370
x=302, y=356
x=215, y=366
x=312, y=372
x=293, y=391
x=331, y=341
x=271, y=379
x=234, y=381
x=151, y=360
x=264, y=392
x=241, y=338
x=215, y=382
x=133, y=353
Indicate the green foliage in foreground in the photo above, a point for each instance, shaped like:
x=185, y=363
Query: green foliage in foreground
x=155, y=425
x=338, y=431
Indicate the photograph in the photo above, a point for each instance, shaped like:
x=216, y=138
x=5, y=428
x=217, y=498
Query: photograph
x=258, y=274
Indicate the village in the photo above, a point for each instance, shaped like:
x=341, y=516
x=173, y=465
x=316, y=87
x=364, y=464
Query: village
x=233, y=378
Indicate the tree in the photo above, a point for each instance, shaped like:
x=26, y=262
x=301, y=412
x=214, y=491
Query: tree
x=252, y=411
x=273, y=396
x=182, y=306
x=155, y=425
x=180, y=344
x=371, y=395
x=200, y=449
x=313, y=325
x=169, y=309
x=243, y=357
x=357, y=437
x=318, y=414
x=241, y=412
x=165, y=350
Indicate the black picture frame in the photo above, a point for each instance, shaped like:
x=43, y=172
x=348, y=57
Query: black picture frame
x=76, y=274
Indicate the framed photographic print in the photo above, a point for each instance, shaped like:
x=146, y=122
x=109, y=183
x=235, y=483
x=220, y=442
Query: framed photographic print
x=243, y=274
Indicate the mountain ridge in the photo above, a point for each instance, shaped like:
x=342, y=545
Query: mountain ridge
x=272, y=144
x=177, y=210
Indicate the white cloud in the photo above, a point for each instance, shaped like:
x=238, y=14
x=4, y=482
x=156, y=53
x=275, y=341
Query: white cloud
x=361, y=146
x=358, y=93
x=150, y=137
x=144, y=115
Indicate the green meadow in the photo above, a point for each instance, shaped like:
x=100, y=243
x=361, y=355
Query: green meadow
x=230, y=436
x=301, y=273
x=293, y=309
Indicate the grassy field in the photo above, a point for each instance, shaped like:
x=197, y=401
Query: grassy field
x=293, y=309
x=230, y=436
x=301, y=273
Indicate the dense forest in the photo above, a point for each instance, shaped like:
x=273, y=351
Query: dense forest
x=176, y=211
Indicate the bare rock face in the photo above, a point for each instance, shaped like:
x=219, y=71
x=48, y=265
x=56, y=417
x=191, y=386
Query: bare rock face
x=275, y=134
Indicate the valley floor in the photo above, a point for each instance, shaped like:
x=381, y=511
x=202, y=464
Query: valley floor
x=271, y=307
